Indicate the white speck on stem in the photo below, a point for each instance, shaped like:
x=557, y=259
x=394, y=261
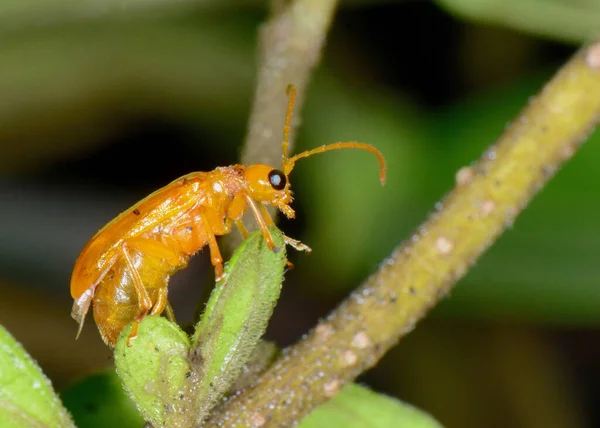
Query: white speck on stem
x=257, y=420
x=487, y=207
x=323, y=331
x=592, y=56
x=444, y=245
x=350, y=358
x=464, y=175
x=361, y=340
x=331, y=388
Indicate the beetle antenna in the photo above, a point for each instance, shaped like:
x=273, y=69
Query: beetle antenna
x=291, y=93
x=288, y=164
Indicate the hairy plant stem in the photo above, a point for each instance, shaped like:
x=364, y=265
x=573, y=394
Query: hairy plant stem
x=290, y=45
x=486, y=200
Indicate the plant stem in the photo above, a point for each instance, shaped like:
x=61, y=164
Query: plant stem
x=564, y=21
x=290, y=46
x=486, y=200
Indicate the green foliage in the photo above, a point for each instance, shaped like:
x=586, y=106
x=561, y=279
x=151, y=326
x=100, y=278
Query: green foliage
x=99, y=401
x=175, y=382
x=358, y=407
x=26, y=395
x=236, y=316
x=557, y=19
x=154, y=370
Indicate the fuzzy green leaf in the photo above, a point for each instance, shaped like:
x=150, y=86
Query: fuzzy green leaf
x=174, y=384
x=26, y=395
x=358, y=407
x=236, y=316
x=154, y=369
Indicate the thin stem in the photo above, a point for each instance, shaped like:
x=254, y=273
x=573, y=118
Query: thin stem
x=486, y=200
x=290, y=46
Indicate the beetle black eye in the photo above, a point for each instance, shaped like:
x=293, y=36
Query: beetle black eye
x=277, y=179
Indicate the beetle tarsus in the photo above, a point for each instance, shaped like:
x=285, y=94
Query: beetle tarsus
x=299, y=246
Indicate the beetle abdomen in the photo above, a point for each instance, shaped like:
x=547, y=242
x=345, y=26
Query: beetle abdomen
x=116, y=301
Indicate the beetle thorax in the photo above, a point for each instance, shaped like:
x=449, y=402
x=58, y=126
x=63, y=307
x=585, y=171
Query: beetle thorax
x=230, y=180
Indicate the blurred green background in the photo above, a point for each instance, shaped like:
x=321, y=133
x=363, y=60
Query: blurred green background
x=102, y=102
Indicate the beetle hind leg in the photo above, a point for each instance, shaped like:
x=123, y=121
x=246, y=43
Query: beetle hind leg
x=169, y=313
x=163, y=304
x=144, y=300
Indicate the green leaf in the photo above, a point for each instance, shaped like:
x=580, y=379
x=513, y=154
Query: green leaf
x=154, y=369
x=557, y=19
x=236, y=316
x=26, y=395
x=99, y=401
x=174, y=384
x=358, y=407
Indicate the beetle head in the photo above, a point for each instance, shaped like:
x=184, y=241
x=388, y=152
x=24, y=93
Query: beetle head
x=269, y=185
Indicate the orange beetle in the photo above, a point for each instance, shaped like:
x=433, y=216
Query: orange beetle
x=125, y=268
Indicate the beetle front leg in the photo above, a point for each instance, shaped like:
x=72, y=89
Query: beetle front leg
x=299, y=246
x=236, y=210
x=262, y=224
